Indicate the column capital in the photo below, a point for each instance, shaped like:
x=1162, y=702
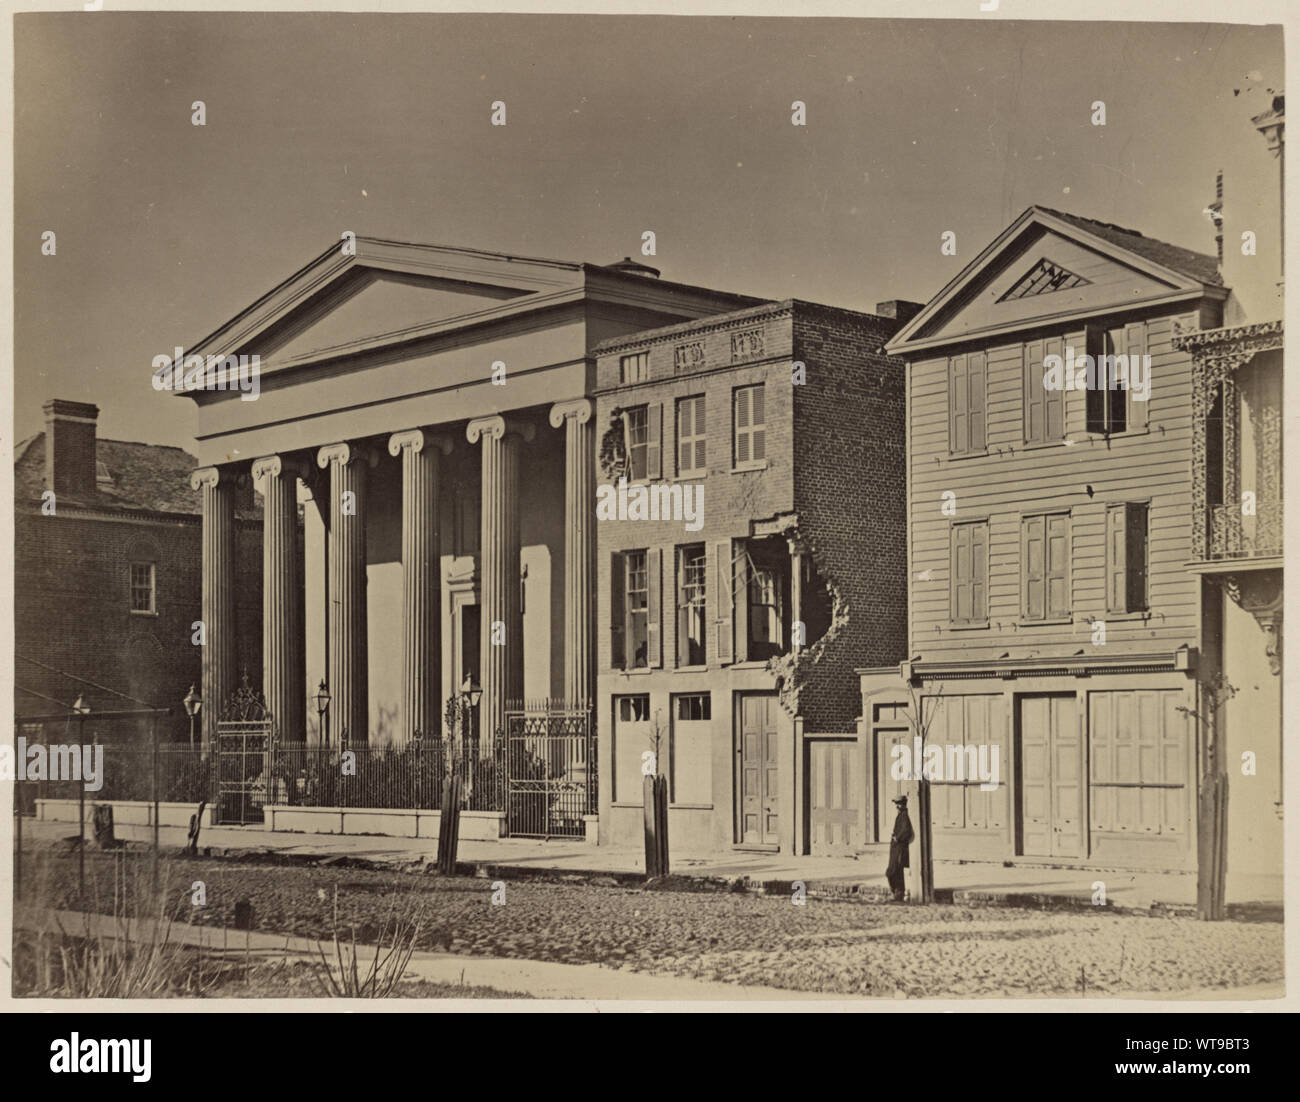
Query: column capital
x=346, y=453
x=496, y=428
x=227, y=474
x=277, y=465
x=417, y=440
x=577, y=408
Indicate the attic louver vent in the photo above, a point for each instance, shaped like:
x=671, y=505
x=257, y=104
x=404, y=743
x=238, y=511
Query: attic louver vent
x=101, y=472
x=1042, y=278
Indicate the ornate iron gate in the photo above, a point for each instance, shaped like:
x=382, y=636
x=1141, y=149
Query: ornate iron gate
x=245, y=753
x=550, y=772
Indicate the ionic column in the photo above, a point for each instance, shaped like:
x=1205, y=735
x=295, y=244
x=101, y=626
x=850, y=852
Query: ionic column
x=349, y=713
x=501, y=649
x=579, y=545
x=421, y=585
x=283, y=672
x=219, y=639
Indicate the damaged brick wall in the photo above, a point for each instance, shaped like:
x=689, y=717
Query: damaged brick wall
x=850, y=496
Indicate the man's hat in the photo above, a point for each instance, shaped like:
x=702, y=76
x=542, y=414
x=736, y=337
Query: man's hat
x=901, y=801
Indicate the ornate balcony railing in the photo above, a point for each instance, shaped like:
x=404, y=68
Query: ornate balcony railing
x=1236, y=536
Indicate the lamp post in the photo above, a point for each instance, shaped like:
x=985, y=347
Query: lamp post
x=193, y=704
x=322, y=711
x=472, y=694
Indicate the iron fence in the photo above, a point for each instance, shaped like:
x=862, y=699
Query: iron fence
x=390, y=777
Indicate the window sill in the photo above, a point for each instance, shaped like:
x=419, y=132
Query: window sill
x=639, y=671
x=690, y=807
x=750, y=664
x=955, y=456
x=740, y=468
x=690, y=476
x=962, y=625
x=141, y=612
x=1112, y=617
x=690, y=669
x=1038, y=445
x=1057, y=621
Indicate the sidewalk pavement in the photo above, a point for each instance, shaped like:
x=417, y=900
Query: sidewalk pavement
x=983, y=882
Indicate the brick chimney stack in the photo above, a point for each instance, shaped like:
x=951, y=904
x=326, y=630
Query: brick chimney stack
x=70, y=446
x=899, y=309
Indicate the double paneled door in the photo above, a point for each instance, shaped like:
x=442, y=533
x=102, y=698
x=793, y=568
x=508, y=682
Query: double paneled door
x=1051, y=792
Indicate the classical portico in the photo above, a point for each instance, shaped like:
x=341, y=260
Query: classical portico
x=423, y=445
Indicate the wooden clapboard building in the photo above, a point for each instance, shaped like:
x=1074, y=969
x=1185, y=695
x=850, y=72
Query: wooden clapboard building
x=1053, y=623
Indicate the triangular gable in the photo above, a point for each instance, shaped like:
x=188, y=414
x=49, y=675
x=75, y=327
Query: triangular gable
x=385, y=287
x=367, y=304
x=1015, y=283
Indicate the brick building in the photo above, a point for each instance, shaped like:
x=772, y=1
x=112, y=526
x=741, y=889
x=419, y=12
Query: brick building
x=728, y=632
x=107, y=553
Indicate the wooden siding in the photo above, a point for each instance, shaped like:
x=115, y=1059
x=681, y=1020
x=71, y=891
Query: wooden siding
x=1084, y=474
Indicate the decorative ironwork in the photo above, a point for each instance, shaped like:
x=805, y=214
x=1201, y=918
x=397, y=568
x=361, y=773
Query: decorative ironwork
x=246, y=705
x=550, y=772
x=1217, y=354
x=245, y=746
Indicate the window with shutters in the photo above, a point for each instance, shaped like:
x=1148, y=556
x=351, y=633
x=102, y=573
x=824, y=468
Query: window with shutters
x=636, y=431
x=1044, y=406
x=970, y=573
x=691, y=426
x=637, y=604
x=1113, y=399
x=1126, y=557
x=634, y=368
x=749, y=436
x=966, y=402
x=1045, y=566
x=691, y=608
x=142, y=588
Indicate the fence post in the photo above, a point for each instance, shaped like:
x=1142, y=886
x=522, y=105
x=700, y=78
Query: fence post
x=81, y=819
x=449, y=825
x=654, y=793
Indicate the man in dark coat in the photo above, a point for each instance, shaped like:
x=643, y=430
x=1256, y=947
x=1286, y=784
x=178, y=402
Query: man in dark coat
x=898, y=843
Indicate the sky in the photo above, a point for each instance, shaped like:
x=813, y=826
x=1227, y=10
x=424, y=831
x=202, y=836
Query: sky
x=380, y=125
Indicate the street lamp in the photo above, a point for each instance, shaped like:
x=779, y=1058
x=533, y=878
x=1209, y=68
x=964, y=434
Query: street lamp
x=472, y=694
x=322, y=709
x=193, y=705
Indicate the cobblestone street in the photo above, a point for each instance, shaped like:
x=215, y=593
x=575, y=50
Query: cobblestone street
x=831, y=947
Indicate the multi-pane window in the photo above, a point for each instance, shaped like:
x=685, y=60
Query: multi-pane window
x=1045, y=566
x=634, y=368
x=966, y=393
x=691, y=617
x=142, y=587
x=636, y=429
x=637, y=592
x=1126, y=557
x=749, y=426
x=690, y=436
x=1044, y=406
x=969, y=573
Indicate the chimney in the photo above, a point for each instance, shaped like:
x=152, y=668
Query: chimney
x=70, y=446
x=899, y=309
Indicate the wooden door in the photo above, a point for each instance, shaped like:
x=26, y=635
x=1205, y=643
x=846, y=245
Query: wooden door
x=887, y=788
x=833, y=805
x=757, y=800
x=1050, y=769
